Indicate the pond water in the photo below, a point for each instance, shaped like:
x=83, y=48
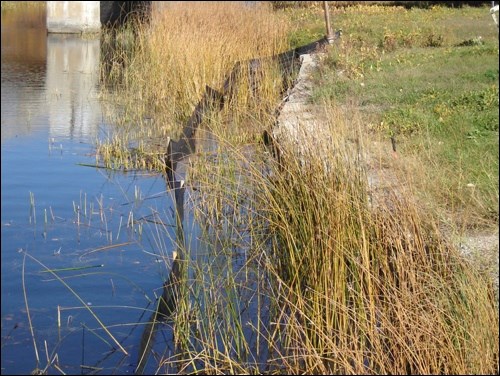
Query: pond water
x=100, y=227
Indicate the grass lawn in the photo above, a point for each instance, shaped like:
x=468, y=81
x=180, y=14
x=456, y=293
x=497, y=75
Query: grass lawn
x=428, y=78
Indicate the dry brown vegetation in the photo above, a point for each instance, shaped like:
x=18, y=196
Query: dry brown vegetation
x=326, y=283
x=163, y=72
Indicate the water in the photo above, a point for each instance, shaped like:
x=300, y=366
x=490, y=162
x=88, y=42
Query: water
x=109, y=236
x=65, y=215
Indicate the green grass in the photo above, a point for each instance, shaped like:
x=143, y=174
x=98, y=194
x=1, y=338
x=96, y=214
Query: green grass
x=429, y=78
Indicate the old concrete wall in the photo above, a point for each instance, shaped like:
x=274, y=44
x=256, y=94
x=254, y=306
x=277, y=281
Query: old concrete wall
x=73, y=16
x=297, y=130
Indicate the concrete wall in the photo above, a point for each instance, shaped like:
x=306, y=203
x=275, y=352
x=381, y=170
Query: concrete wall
x=73, y=16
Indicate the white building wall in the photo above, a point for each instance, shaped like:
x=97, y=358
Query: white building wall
x=73, y=16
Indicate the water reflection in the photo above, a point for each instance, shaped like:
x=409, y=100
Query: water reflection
x=47, y=80
x=71, y=85
x=24, y=52
x=84, y=217
x=23, y=42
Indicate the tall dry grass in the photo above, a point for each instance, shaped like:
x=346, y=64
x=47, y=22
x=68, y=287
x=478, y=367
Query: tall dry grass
x=369, y=290
x=193, y=44
x=299, y=273
x=295, y=271
x=159, y=72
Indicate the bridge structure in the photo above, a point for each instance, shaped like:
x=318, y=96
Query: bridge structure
x=76, y=17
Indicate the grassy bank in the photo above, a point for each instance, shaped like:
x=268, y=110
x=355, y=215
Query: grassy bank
x=429, y=79
x=299, y=274
x=362, y=286
x=296, y=273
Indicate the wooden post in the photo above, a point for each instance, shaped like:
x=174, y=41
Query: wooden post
x=329, y=35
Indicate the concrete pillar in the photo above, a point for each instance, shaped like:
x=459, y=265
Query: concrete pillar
x=73, y=16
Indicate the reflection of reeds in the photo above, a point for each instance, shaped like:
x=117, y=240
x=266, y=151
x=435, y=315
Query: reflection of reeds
x=23, y=35
x=165, y=308
x=23, y=5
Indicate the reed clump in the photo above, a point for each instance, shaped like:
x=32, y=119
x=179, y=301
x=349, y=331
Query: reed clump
x=297, y=272
x=158, y=72
x=369, y=290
